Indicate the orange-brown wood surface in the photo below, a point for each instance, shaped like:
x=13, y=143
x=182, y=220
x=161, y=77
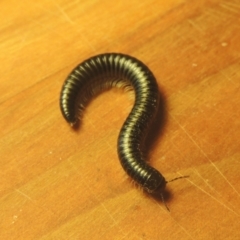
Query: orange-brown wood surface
x=57, y=183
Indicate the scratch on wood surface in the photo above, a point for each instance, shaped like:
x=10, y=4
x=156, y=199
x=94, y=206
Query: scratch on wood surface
x=234, y=4
x=205, y=155
x=44, y=208
x=228, y=78
x=231, y=6
x=74, y=167
x=203, y=179
x=214, y=14
x=23, y=194
x=96, y=199
x=64, y=14
x=109, y=214
x=221, y=203
x=224, y=10
x=196, y=26
x=87, y=119
x=127, y=236
x=102, y=204
x=68, y=19
x=183, y=229
x=213, y=164
x=158, y=204
x=212, y=188
x=179, y=37
x=191, y=99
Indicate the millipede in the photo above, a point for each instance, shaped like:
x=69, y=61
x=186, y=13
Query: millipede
x=102, y=72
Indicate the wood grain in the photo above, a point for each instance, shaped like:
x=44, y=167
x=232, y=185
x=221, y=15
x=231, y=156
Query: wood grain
x=57, y=183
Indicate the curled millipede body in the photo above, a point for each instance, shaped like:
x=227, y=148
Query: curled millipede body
x=103, y=72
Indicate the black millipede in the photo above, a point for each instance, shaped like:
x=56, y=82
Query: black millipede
x=108, y=70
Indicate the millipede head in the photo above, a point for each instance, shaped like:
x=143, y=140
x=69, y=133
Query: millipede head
x=155, y=182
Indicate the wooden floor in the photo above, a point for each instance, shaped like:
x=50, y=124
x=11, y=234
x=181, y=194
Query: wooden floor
x=57, y=183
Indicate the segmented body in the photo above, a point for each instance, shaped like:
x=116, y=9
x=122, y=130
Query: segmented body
x=103, y=72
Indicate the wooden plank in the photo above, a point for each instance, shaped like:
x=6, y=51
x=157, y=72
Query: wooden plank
x=57, y=183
